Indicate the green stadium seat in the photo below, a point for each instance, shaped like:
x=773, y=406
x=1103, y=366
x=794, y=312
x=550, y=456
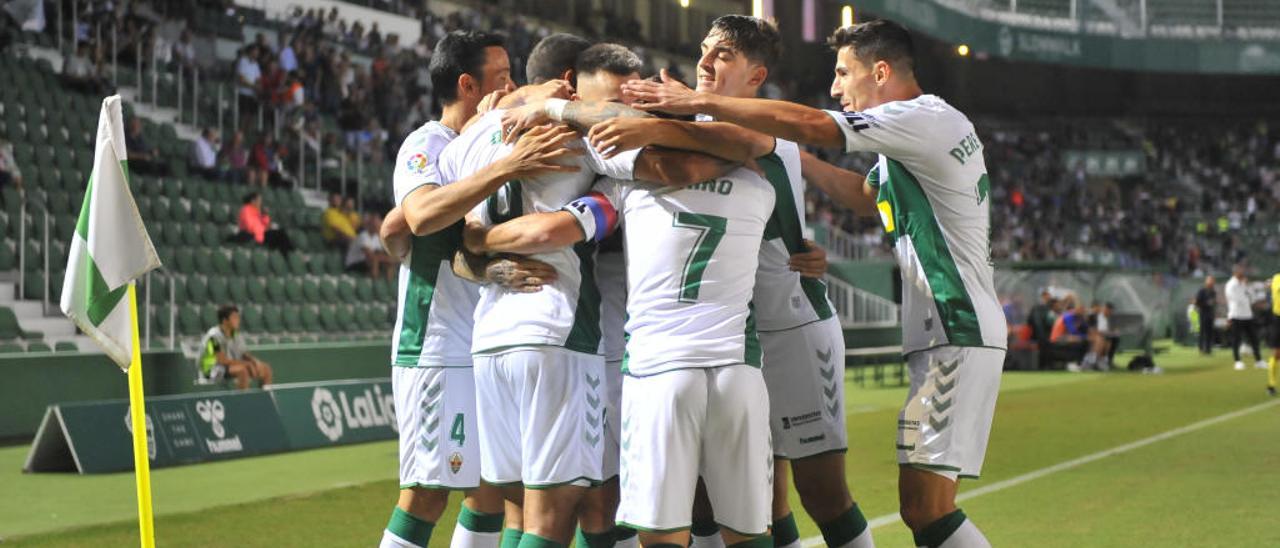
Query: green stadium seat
x=316, y=264
x=297, y=264
x=261, y=261
x=221, y=264
x=279, y=266
x=184, y=261
x=159, y=208
x=166, y=256
x=364, y=290
x=240, y=290
x=160, y=320
x=347, y=290
x=311, y=319
x=334, y=319
x=197, y=289
x=275, y=290
x=39, y=347
x=273, y=319
x=204, y=259
x=200, y=212
x=293, y=319
x=211, y=235
x=252, y=318
x=191, y=234
x=209, y=315
x=9, y=328
x=311, y=291
x=333, y=263
x=383, y=291
x=189, y=323
x=173, y=234
x=173, y=188
x=8, y=258
x=218, y=290
x=10, y=348
x=329, y=291
x=258, y=290
x=293, y=291
x=66, y=346
x=241, y=262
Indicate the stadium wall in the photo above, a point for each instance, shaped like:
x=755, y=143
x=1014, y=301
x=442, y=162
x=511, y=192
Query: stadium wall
x=32, y=382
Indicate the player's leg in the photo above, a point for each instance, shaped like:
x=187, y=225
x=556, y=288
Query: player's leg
x=263, y=373
x=1233, y=328
x=1273, y=365
x=808, y=423
x=662, y=421
x=1206, y=333
x=785, y=532
x=737, y=455
x=498, y=433
x=599, y=507
x=563, y=439
x=942, y=436
x=451, y=409
x=421, y=499
x=704, y=532
x=1251, y=331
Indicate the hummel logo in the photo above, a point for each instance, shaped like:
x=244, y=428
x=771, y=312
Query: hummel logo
x=827, y=373
x=593, y=401
x=432, y=391
x=823, y=357
x=834, y=409
x=431, y=426
x=591, y=439
x=939, y=425
x=593, y=420
x=593, y=381
x=944, y=388
x=830, y=391
x=430, y=443
x=949, y=369
x=941, y=406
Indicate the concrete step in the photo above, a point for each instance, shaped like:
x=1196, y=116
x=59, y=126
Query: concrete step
x=54, y=326
x=8, y=292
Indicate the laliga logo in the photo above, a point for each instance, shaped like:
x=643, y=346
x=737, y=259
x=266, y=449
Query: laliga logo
x=369, y=408
x=212, y=412
x=327, y=414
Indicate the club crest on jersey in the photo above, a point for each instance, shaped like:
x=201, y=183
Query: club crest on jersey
x=455, y=463
x=417, y=163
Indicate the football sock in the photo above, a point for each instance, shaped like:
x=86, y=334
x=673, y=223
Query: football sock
x=848, y=530
x=530, y=540
x=785, y=532
x=625, y=537
x=476, y=530
x=953, y=530
x=1273, y=371
x=510, y=538
x=594, y=540
x=406, y=530
x=706, y=534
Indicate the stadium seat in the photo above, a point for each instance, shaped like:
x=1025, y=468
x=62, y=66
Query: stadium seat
x=297, y=264
x=209, y=315
x=66, y=346
x=8, y=258
x=257, y=290
x=38, y=347
x=251, y=318
x=364, y=290
x=159, y=208
x=279, y=266
x=293, y=319
x=221, y=264
x=218, y=290
x=293, y=290
x=311, y=291
x=10, y=348
x=311, y=319
x=189, y=323
x=347, y=290
x=197, y=289
x=316, y=264
x=191, y=234
x=184, y=261
x=275, y=290
x=334, y=263
x=383, y=291
x=260, y=262
x=329, y=291
x=241, y=262
x=173, y=233
x=204, y=259
x=160, y=320
x=273, y=319
x=211, y=235
x=9, y=328
x=240, y=292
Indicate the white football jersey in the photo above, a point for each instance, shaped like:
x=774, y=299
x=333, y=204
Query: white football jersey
x=434, y=307
x=611, y=278
x=784, y=299
x=691, y=263
x=933, y=201
x=564, y=313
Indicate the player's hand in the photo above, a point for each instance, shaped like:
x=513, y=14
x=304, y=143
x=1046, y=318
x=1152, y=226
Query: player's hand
x=670, y=95
x=539, y=150
x=516, y=120
x=519, y=274
x=811, y=263
x=551, y=89
x=616, y=135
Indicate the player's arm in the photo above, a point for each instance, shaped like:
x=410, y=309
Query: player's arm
x=431, y=207
x=722, y=140
x=845, y=187
x=677, y=168
x=782, y=119
x=395, y=234
x=526, y=235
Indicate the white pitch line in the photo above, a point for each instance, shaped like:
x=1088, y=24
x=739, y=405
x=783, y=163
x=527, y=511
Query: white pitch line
x=1073, y=463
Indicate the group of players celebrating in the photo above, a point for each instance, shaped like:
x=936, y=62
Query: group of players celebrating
x=609, y=320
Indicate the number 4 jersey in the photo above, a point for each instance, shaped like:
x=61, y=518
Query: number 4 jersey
x=691, y=256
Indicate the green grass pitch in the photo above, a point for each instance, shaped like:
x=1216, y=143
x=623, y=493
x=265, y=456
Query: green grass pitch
x=1215, y=485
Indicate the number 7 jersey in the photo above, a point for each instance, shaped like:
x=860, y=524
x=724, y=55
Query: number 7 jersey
x=692, y=255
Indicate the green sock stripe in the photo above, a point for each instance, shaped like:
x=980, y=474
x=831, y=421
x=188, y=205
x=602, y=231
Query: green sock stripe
x=664, y=545
x=704, y=528
x=785, y=531
x=510, y=538
x=844, y=528
x=479, y=522
x=936, y=533
x=530, y=540
x=762, y=541
x=622, y=532
x=410, y=527
x=596, y=540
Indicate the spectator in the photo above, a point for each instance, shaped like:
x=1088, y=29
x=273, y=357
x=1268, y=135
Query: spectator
x=335, y=225
x=1100, y=338
x=288, y=57
x=256, y=225
x=1206, y=306
x=248, y=73
x=262, y=162
x=184, y=50
x=9, y=171
x=365, y=253
x=1240, y=317
x=1067, y=340
x=349, y=209
x=236, y=157
x=1041, y=319
x=223, y=354
x=80, y=71
x=204, y=153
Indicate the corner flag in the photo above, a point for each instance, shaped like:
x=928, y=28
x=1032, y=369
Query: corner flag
x=110, y=248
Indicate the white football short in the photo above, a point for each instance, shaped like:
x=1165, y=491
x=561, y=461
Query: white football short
x=436, y=411
x=804, y=372
x=946, y=421
x=612, y=418
x=682, y=424
x=541, y=413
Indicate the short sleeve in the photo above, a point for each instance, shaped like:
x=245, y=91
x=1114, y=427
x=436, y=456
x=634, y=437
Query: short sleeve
x=884, y=129
x=622, y=166
x=418, y=164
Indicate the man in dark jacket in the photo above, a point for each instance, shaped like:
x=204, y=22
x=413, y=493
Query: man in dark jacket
x=1206, y=305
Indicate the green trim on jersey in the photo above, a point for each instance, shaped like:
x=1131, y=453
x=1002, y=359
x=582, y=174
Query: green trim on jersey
x=751, y=348
x=514, y=192
x=426, y=255
x=585, y=334
x=784, y=223
x=911, y=213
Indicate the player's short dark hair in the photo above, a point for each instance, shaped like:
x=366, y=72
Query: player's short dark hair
x=612, y=58
x=250, y=197
x=878, y=40
x=756, y=37
x=459, y=52
x=225, y=311
x=553, y=55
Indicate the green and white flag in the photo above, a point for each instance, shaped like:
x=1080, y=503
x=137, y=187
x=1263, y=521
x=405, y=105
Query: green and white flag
x=110, y=249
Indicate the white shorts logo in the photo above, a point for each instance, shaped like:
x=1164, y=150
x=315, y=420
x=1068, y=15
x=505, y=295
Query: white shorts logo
x=212, y=412
x=328, y=415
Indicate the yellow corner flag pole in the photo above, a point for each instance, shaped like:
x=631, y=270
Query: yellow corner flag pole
x=138, y=414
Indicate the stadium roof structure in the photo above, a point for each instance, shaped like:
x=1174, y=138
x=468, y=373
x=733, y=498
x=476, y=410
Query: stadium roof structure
x=1189, y=36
